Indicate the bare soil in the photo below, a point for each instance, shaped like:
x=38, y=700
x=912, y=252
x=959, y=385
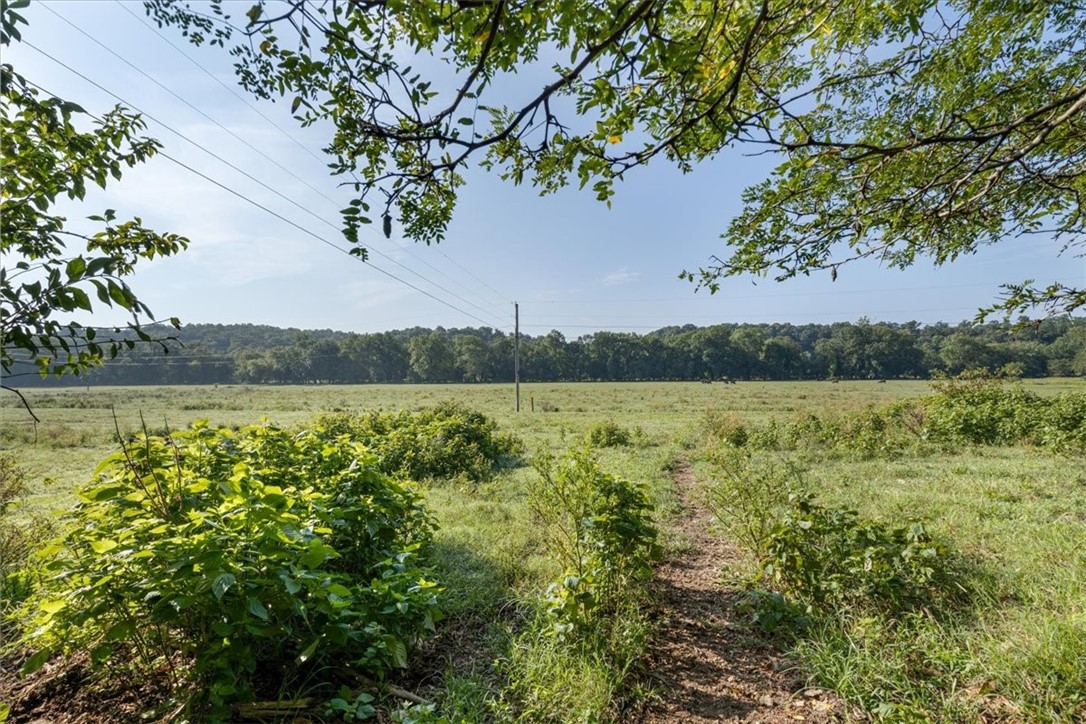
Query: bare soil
x=708, y=664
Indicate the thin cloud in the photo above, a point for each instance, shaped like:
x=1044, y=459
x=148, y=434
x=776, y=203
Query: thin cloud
x=620, y=276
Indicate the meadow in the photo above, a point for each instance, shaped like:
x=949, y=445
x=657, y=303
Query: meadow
x=1012, y=516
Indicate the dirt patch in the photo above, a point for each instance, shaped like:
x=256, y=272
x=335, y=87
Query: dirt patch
x=708, y=665
x=66, y=691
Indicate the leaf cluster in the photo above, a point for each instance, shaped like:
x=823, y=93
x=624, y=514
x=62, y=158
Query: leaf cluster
x=231, y=558
x=903, y=130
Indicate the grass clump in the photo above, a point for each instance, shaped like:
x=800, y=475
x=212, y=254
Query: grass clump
x=18, y=538
x=238, y=560
x=442, y=442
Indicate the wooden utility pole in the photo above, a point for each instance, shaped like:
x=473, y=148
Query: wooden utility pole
x=516, y=350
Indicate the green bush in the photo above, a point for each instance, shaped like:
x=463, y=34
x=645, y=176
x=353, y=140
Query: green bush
x=442, y=442
x=231, y=556
x=980, y=410
x=817, y=560
x=600, y=529
x=607, y=434
x=830, y=558
x=746, y=494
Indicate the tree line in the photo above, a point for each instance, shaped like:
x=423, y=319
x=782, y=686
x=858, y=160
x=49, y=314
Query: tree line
x=256, y=354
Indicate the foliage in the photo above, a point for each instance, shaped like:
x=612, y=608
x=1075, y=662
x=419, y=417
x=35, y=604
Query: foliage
x=226, y=555
x=246, y=353
x=824, y=559
x=446, y=441
x=976, y=408
x=47, y=157
x=600, y=529
x=607, y=434
x=830, y=558
x=746, y=493
x=963, y=128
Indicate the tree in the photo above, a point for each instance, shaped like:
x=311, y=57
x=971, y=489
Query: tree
x=904, y=130
x=432, y=357
x=46, y=157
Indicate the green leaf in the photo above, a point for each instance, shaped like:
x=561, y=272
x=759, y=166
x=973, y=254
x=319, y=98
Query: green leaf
x=103, y=546
x=309, y=650
x=257, y=608
x=222, y=583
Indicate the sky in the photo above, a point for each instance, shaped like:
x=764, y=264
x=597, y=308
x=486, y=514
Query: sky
x=571, y=263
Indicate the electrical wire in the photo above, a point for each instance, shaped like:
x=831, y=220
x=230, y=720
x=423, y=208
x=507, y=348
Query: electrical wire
x=245, y=142
x=285, y=220
x=265, y=208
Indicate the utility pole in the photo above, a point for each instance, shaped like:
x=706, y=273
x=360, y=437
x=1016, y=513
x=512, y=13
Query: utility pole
x=516, y=350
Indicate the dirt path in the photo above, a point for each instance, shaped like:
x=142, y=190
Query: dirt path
x=707, y=663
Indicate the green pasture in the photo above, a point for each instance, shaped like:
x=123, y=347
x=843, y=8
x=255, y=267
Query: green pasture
x=1016, y=514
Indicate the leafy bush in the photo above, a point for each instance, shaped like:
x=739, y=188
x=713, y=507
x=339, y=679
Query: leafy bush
x=442, y=442
x=223, y=555
x=607, y=434
x=830, y=557
x=823, y=559
x=978, y=409
x=600, y=528
x=746, y=494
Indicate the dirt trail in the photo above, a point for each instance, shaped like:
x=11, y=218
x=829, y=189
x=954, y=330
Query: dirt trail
x=708, y=664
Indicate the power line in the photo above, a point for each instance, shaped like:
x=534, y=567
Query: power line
x=727, y=297
x=295, y=141
x=225, y=86
x=234, y=135
x=281, y=195
x=169, y=90
x=284, y=219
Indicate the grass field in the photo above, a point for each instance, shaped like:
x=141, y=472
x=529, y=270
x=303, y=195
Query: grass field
x=1016, y=514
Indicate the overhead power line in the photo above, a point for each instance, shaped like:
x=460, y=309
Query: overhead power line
x=294, y=224
x=272, y=190
x=246, y=143
x=502, y=299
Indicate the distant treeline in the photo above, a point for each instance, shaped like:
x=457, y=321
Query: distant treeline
x=246, y=353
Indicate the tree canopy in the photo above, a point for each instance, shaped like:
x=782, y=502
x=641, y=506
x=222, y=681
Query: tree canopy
x=42, y=283
x=903, y=130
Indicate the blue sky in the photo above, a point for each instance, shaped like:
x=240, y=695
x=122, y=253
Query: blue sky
x=572, y=263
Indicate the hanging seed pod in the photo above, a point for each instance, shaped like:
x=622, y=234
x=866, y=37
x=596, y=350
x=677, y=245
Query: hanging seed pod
x=388, y=225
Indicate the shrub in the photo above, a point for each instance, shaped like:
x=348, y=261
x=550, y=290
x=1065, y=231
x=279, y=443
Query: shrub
x=607, y=434
x=978, y=409
x=225, y=554
x=600, y=529
x=817, y=560
x=442, y=442
x=746, y=494
x=726, y=428
x=830, y=557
